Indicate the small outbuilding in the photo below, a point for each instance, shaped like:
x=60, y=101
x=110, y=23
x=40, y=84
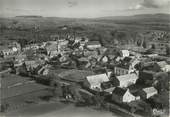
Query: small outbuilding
x=148, y=92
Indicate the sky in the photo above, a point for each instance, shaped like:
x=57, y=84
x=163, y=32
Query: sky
x=82, y=8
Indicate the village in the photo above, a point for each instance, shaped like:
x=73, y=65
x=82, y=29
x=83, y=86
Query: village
x=76, y=69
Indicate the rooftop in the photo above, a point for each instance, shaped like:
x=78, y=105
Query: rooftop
x=97, y=79
x=109, y=89
x=162, y=64
x=119, y=91
x=127, y=77
x=149, y=90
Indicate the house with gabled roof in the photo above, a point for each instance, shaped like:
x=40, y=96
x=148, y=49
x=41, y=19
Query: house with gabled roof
x=126, y=66
x=94, y=81
x=125, y=80
x=93, y=45
x=162, y=66
x=121, y=95
x=148, y=92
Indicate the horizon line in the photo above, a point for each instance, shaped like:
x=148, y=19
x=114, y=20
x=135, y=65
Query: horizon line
x=82, y=17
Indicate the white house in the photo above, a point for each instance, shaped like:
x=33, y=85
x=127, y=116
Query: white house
x=167, y=68
x=127, y=66
x=128, y=97
x=96, y=80
x=127, y=80
x=7, y=52
x=124, y=53
x=121, y=95
x=52, y=48
x=149, y=92
x=93, y=45
x=103, y=59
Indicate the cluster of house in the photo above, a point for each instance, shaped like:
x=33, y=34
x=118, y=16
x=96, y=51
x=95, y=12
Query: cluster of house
x=142, y=72
x=159, y=35
x=123, y=68
x=160, y=47
x=130, y=71
x=160, y=43
x=65, y=51
x=10, y=49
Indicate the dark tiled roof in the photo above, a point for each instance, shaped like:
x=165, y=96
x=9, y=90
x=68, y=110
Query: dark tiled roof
x=119, y=91
x=149, y=72
x=127, y=59
x=136, y=93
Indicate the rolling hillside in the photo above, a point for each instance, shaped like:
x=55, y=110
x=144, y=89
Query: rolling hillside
x=124, y=29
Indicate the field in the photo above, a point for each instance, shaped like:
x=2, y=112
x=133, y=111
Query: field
x=108, y=30
x=59, y=110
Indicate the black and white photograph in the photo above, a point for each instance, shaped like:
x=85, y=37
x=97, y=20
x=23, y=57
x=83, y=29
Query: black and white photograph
x=84, y=58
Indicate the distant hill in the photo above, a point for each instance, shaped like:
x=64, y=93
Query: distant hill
x=141, y=16
x=143, y=21
x=125, y=29
x=29, y=16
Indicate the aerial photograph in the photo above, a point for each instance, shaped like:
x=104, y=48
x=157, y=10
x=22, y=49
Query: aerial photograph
x=84, y=58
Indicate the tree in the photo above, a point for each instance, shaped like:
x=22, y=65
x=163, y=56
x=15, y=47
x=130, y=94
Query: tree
x=23, y=42
x=23, y=70
x=14, y=24
x=113, y=33
x=144, y=44
x=168, y=50
x=161, y=81
x=99, y=100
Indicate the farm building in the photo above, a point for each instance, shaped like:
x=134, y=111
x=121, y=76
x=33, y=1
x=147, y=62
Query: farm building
x=124, y=53
x=94, y=81
x=126, y=66
x=121, y=95
x=148, y=92
x=93, y=45
x=125, y=80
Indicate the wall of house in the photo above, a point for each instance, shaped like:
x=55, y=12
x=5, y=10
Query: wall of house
x=93, y=46
x=120, y=71
x=128, y=97
x=124, y=53
x=150, y=94
x=124, y=83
